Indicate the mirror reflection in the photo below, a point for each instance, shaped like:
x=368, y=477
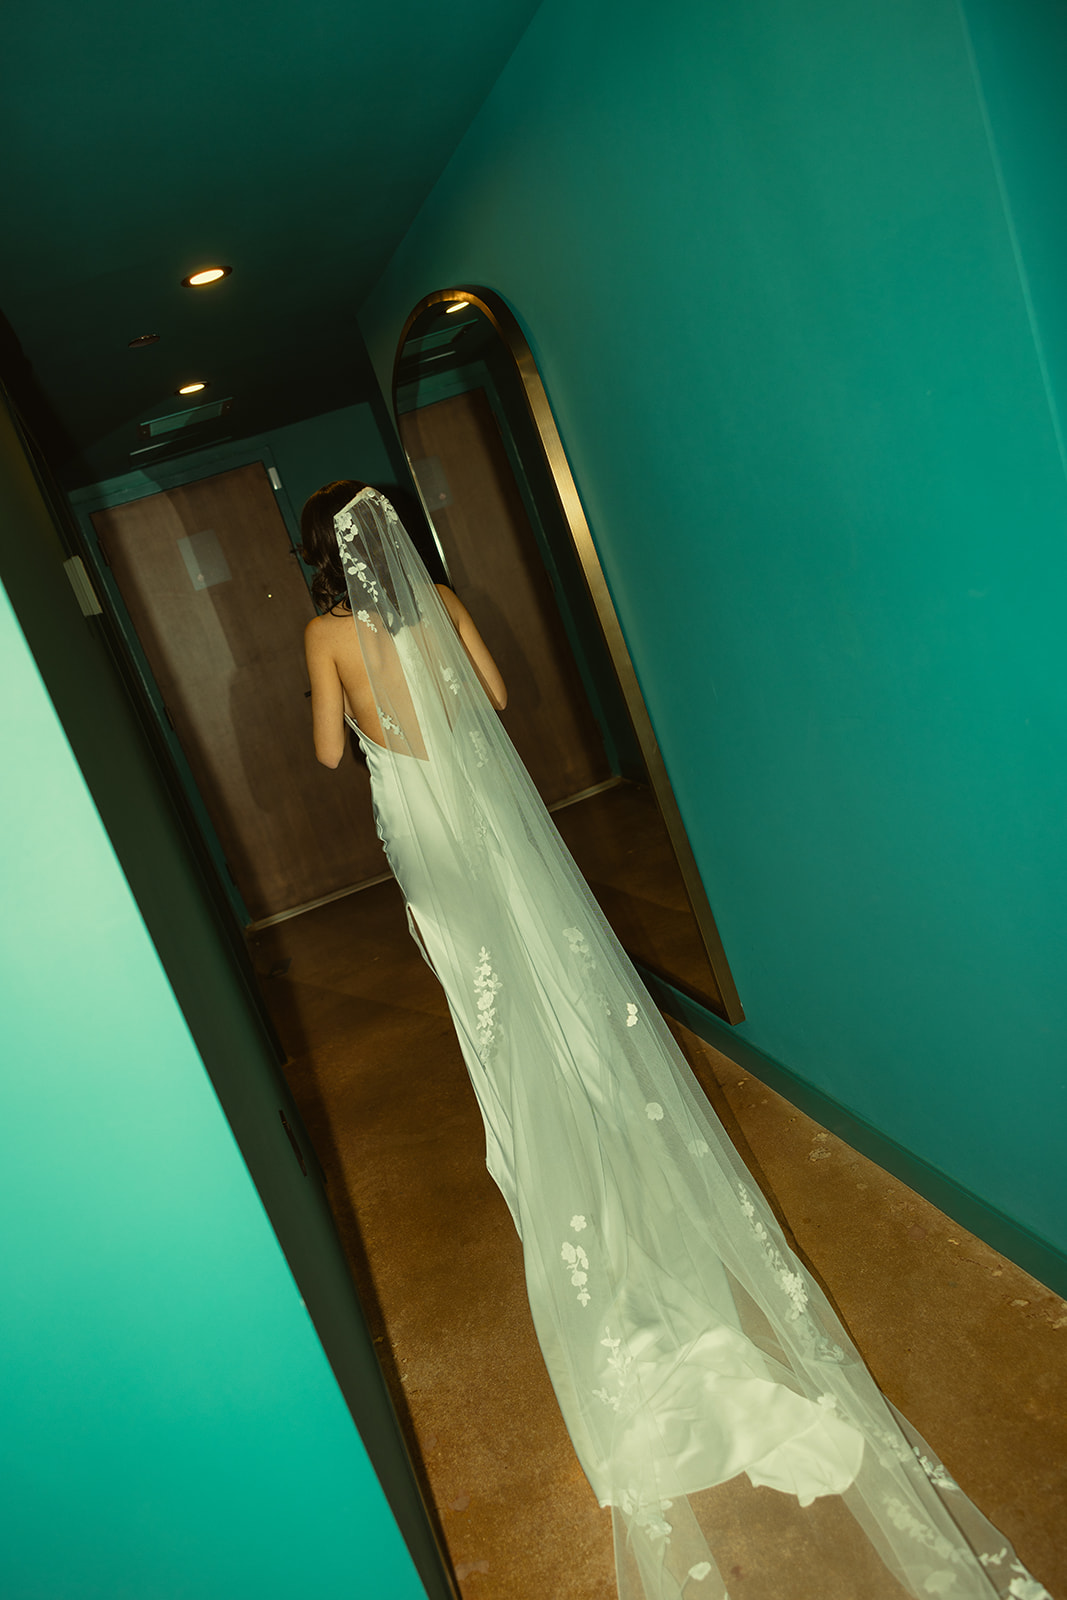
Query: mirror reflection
x=486, y=458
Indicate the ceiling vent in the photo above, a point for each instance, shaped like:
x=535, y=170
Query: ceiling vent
x=189, y=418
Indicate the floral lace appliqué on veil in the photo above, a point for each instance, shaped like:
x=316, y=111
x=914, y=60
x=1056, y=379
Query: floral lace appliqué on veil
x=487, y=986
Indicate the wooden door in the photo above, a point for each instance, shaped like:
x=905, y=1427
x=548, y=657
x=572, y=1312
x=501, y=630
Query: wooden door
x=458, y=456
x=208, y=575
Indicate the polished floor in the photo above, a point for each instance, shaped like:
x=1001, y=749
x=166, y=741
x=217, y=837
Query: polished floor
x=972, y=1349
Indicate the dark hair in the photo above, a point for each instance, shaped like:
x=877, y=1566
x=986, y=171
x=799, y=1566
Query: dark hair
x=319, y=548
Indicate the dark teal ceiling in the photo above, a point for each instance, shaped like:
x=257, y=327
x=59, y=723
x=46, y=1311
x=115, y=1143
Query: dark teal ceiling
x=292, y=139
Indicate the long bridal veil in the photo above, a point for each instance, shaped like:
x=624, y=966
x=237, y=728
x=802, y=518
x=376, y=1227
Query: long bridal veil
x=715, y=1402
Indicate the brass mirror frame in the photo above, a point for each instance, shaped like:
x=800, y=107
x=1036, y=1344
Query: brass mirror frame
x=503, y=320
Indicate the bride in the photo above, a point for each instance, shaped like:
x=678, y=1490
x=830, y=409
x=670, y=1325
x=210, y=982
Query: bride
x=687, y=1347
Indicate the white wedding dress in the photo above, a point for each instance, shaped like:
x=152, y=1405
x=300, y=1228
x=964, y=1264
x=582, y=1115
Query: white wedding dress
x=687, y=1347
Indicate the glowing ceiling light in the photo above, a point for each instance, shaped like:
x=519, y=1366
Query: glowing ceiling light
x=458, y=305
x=191, y=388
x=197, y=280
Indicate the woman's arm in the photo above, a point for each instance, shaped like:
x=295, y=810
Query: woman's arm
x=327, y=696
x=475, y=646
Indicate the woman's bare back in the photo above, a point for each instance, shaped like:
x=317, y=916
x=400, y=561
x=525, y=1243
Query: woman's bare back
x=339, y=682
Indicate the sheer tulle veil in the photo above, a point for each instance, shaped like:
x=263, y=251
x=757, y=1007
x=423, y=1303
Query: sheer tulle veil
x=715, y=1401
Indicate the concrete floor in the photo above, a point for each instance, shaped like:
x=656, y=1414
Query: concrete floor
x=970, y=1348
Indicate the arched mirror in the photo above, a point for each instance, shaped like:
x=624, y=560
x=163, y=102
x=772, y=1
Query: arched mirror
x=490, y=469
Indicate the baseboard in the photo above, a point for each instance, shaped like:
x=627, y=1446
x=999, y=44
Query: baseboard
x=1011, y=1239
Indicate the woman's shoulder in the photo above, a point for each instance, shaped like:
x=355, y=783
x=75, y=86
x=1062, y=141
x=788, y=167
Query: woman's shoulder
x=324, y=621
x=322, y=632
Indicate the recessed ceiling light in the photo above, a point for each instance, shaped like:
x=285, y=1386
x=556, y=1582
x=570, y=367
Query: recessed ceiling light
x=459, y=305
x=143, y=340
x=191, y=388
x=197, y=280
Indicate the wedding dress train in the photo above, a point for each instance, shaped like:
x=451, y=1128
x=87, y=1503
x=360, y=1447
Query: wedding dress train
x=689, y=1350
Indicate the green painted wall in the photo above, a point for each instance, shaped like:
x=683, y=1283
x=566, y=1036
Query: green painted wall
x=763, y=257
x=171, y=1424
x=1020, y=52
x=355, y=442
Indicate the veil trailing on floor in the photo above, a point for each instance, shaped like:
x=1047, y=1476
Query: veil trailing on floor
x=715, y=1402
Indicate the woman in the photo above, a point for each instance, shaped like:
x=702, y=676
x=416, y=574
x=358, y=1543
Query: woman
x=339, y=684
x=687, y=1347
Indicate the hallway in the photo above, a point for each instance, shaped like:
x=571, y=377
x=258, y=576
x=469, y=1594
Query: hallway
x=966, y=1344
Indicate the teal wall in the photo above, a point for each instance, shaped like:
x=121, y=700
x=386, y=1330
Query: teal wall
x=763, y=256
x=171, y=1426
x=1020, y=49
x=355, y=442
